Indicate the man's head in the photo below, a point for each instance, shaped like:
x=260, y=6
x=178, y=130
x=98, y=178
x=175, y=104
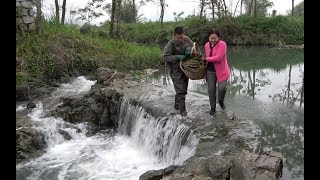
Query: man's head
x=178, y=33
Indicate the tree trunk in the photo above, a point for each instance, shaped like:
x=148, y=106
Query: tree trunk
x=250, y=7
x=212, y=5
x=302, y=91
x=255, y=8
x=292, y=12
x=134, y=11
x=118, y=11
x=234, y=13
x=162, y=3
x=241, y=7
x=63, y=12
x=39, y=17
x=251, y=83
x=113, y=11
x=219, y=10
x=225, y=8
x=289, y=84
x=201, y=8
x=57, y=11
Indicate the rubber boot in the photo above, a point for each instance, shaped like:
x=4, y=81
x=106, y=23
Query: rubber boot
x=183, y=111
x=221, y=103
x=176, y=106
x=212, y=111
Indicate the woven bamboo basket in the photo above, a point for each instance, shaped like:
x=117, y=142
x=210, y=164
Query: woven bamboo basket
x=195, y=66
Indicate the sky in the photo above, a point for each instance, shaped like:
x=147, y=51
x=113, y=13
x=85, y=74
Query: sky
x=151, y=11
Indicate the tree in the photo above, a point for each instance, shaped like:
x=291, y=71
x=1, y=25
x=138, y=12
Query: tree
x=216, y=4
x=234, y=13
x=302, y=91
x=162, y=5
x=292, y=12
x=118, y=13
x=56, y=2
x=255, y=8
x=274, y=12
x=299, y=9
x=128, y=12
x=177, y=16
x=39, y=17
x=90, y=12
x=134, y=11
x=202, y=4
x=113, y=11
x=225, y=8
x=212, y=7
x=263, y=5
x=63, y=12
x=241, y=7
x=258, y=7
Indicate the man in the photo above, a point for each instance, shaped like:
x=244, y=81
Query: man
x=176, y=50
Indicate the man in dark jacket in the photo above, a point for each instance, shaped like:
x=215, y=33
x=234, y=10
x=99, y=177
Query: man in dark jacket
x=176, y=50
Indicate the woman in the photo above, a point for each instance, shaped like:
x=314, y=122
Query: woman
x=217, y=69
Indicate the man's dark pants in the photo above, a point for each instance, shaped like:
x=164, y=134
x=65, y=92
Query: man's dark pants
x=180, y=84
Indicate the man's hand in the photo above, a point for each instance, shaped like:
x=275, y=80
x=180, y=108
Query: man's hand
x=181, y=57
x=187, y=53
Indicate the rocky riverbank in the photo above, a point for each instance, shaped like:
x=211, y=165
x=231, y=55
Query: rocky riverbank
x=229, y=146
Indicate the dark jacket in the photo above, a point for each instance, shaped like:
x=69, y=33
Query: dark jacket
x=174, y=48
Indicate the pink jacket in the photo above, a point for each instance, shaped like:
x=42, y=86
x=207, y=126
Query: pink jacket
x=219, y=59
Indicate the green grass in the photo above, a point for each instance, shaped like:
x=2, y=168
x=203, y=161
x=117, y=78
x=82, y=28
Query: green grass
x=241, y=30
x=80, y=50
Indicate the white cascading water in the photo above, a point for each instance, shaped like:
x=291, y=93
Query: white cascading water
x=141, y=144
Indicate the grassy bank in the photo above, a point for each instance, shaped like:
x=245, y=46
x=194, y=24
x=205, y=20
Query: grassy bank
x=58, y=47
x=241, y=30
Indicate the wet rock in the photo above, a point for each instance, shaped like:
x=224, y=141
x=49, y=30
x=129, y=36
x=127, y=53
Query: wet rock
x=152, y=175
x=220, y=166
x=158, y=174
x=29, y=142
x=100, y=106
x=65, y=134
x=207, y=138
x=253, y=166
x=194, y=166
x=22, y=92
x=21, y=121
x=31, y=105
x=230, y=115
x=31, y=90
x=106, y=76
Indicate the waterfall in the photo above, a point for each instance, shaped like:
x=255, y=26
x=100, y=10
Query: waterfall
x=166, y=138
x=142, y=143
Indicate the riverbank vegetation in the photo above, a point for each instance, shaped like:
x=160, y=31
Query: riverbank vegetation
x=130, y=45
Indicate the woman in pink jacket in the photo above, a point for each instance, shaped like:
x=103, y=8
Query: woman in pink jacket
x=217, y=69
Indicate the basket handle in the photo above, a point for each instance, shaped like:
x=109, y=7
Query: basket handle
x=195, y=49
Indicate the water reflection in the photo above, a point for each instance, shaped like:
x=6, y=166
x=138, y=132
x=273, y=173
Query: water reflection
x=285, y=134
x=294, y=91
x=267, y=86
x=246, y=82
x=261, y=71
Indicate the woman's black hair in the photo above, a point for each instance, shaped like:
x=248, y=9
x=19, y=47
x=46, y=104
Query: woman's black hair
x=214, y=31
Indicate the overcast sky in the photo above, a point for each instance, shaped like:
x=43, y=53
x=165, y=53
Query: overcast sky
x=151, y=11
